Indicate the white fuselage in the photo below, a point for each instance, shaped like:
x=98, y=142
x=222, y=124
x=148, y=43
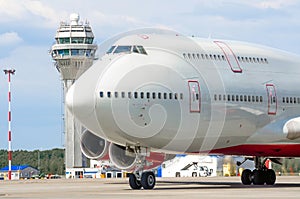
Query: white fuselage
x=193, y=95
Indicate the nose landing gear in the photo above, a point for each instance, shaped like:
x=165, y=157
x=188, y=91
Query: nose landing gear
x=140, y=178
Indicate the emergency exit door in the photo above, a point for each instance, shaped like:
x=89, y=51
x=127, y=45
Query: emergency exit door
x=195, y=96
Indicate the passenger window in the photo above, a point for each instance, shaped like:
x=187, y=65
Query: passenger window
x=123, y=94
x=165, y=95
x=245, y=98
x=283, y=100
x=116, y=94
x=215, y=96
x=148, y=95
x=253, y=98
x=220, y=97
x=135, y=95
x=241, y=98
x=249, y=98
x=287, y=100
x=142, y=95
x=274, y=99
x=101, y=94
x=159, y=95
x=176, y=96
x=228, y=97
x=295, y=100
x=257, y=99
x=232, y=97
x=170, y=96
x=129, y=95
x=108, y=94
x=291, y=100
x=237, y=98
x=153, y=95
x=261, y=99
x=298, y=99
x=181, y=96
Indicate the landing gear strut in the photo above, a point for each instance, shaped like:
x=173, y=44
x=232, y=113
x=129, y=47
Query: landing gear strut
x=139, y=178
x=260, y=175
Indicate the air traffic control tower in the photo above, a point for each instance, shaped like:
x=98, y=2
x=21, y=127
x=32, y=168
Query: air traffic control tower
x=73, y=52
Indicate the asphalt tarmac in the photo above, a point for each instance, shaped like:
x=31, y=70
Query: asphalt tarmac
x=181, y=188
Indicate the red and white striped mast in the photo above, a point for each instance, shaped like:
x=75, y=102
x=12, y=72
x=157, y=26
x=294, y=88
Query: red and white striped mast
x=9, y=72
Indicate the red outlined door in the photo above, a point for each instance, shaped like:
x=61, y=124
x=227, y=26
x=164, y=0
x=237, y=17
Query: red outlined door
x=272, y=99
x=230, y=57
x=195, y=96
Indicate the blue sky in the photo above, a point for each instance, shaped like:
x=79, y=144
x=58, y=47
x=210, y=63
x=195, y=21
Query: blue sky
x=27, y=29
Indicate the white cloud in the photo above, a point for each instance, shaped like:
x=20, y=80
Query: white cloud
x=274, y=4
x=31, y=12
x=9, y=38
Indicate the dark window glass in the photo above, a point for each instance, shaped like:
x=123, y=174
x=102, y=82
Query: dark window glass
x=129, y=95
x=116, y=94
x=148, y=95
x=159, y=95
x=142, y=95
x=123, y=94
x=181, y=96
x=165, y=95
x=176, y=96
x=170, y=95
x=283, y=99
x=261, y=99
x=101, y=94
x=108, y=94
x=153, y=95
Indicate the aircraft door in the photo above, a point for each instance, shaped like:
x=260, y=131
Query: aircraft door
x=230, y=57
x=195, y=96
x=272, y=99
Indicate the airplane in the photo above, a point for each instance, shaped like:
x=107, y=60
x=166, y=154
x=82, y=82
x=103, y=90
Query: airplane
x=153, y=93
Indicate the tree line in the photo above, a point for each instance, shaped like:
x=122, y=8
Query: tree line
x=47, y=161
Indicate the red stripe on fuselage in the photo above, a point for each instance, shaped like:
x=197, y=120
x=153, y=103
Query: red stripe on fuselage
x=271, y=150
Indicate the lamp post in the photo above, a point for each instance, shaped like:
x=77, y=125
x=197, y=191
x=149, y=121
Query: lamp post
x=9, y=72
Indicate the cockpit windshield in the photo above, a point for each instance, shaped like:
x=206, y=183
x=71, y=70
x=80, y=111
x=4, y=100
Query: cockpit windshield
x=126, y=49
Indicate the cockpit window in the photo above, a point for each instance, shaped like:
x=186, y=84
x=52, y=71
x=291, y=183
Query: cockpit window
x=127, y=49
x=134, y=49
x=141, y=50
x=123, y=49
x=111, y=49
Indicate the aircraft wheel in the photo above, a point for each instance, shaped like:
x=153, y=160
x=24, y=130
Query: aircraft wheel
x=247, y=177
x=258, y=177
x=194, y=174
x=133, y=182
x=270, y=177
x=148, y=180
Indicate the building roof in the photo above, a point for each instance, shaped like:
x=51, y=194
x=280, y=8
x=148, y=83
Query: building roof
x=15, y=167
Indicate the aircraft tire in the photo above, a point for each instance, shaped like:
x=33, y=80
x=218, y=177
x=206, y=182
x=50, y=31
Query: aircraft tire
x=247, y=177
x=194, y=174
x=148, y=180
x=133, y=182
x=270, y=177
x=258, y=177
